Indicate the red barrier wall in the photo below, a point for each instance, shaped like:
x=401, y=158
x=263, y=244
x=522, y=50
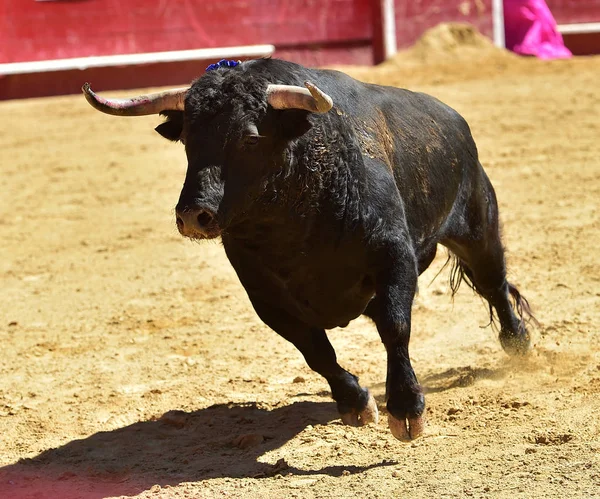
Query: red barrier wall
x=31, y=31
x=312, y=32
x=38, y=30
x=575, y=11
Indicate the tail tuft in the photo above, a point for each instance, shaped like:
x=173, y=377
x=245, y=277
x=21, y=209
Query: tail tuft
x=521, y=306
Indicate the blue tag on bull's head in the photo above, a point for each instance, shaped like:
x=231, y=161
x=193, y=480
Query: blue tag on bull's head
x=223, y=63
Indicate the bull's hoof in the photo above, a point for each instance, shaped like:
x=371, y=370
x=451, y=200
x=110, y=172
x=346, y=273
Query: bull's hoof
x=369, y=414
x=515, y=344
x=406, y=429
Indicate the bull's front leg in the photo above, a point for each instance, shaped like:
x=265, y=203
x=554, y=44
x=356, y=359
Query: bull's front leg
x=355, y=404
x=391, y=310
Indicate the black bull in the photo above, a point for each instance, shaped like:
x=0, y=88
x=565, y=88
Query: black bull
x=327, y=213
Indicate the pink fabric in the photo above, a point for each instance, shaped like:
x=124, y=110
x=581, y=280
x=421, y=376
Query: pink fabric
x=530, y=29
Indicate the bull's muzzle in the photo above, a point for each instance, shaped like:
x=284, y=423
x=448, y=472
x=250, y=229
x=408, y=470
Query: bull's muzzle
x=197, y=223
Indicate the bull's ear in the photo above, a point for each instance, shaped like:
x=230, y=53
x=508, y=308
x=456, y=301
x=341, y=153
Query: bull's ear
x=172, y=128
x=294, y=123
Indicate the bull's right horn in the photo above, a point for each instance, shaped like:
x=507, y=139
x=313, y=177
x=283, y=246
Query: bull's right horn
x=310, y=99
x=170, y=100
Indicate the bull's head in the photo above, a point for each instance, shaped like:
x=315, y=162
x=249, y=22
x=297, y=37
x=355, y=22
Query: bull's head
x=234, y=126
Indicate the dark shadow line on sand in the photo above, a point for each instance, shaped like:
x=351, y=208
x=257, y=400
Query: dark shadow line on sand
x=177, y=447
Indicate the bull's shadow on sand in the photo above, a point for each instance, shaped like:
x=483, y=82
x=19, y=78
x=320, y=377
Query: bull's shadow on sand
x=177, y=447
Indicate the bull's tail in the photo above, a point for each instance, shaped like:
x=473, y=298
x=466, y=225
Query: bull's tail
x=460, y=273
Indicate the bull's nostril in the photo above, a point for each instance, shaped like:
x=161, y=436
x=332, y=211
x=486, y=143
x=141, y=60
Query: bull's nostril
x=179, y=223
x=204, y=218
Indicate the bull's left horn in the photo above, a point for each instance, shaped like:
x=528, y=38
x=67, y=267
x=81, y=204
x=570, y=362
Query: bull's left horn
x=170, y=100
x=311, y=98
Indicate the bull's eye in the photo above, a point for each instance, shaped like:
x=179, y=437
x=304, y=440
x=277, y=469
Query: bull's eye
x=251, y=140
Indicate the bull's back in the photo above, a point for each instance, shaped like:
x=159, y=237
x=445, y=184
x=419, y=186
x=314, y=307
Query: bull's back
x=426, y=145
x=434, y=158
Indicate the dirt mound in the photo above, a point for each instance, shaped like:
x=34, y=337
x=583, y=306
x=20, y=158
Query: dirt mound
x=453, y=39
x=450, y=42
x=446, y=53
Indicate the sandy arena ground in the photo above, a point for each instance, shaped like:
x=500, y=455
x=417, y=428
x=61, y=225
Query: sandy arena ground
x=133, y=365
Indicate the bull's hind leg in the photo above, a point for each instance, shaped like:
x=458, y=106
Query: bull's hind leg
x=356, y=405
x=480, y=262
x=484, y=269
